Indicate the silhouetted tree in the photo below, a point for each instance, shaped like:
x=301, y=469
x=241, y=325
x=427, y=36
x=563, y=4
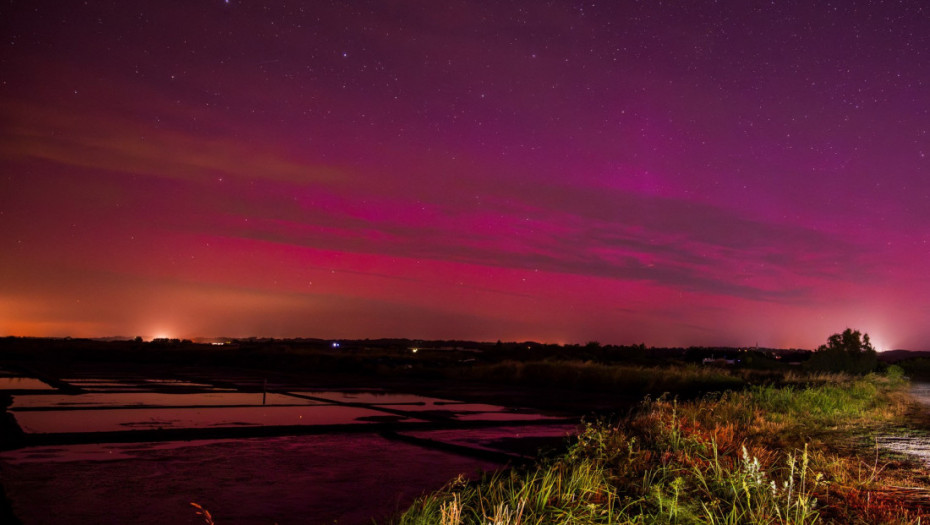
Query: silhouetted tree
x=849, y=351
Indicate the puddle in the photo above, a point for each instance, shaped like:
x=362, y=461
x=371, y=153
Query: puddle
x=60, y=421
x=921, y=391
x=915, y=446
x=153, y=399
x=23, y=383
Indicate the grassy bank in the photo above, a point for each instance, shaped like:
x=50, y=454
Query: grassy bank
x=790, y=454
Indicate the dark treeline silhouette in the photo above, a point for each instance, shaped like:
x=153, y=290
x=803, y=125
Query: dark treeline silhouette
x=360, y=355
x=849, y=351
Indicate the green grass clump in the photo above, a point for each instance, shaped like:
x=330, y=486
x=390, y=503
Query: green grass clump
x=763, y=455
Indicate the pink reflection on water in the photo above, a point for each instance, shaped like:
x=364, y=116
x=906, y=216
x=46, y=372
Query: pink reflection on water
x=375, y=398
x=348, y=478
x=502, y=416
x=23, y=383
x=157, y=399
x=58, y=421
x=100, y=383
x=97, y=451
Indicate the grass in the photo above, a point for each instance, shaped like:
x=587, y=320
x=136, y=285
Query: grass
x=791, y=454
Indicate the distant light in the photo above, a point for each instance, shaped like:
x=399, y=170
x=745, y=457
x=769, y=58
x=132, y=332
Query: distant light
x=335, y=344
x=414, y=350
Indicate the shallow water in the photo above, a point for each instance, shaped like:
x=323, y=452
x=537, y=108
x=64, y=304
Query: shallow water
x=348, y=478
x=147, y=410
x=62, y=421
x=914, y=445
x=323, y=478
x=917, y=447
x=100, y=384
x=501, y=416
x=375, y=398
x=155, y=399
x=921, y=391
x=23, y=383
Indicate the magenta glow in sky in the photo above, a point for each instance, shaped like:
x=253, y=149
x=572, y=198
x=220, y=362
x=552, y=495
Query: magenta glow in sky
x=724, y=173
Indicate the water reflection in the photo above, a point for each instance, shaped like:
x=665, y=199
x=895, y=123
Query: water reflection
x=502, y=416
x=914, y=444
x=119, y=384
x=23, y=383
x=145, y=409
x=344, y=478
x=376, y=397
x=66, y=421
x=314, y=479
x=156, y=399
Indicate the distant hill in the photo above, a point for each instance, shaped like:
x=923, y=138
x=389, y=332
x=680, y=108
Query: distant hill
x=893, y=356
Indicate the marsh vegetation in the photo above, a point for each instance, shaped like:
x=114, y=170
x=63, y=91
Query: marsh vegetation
x=791, y=454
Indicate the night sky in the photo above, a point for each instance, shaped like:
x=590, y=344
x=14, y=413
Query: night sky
x=672, y=173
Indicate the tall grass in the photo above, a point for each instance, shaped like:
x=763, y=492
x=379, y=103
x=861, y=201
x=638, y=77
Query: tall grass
x=762, y=455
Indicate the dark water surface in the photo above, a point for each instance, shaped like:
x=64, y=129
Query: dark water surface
x=13, y=381
x=344, y=478
x=387, y=448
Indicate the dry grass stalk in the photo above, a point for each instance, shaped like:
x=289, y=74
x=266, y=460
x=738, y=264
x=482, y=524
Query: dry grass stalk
x=204, y=513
